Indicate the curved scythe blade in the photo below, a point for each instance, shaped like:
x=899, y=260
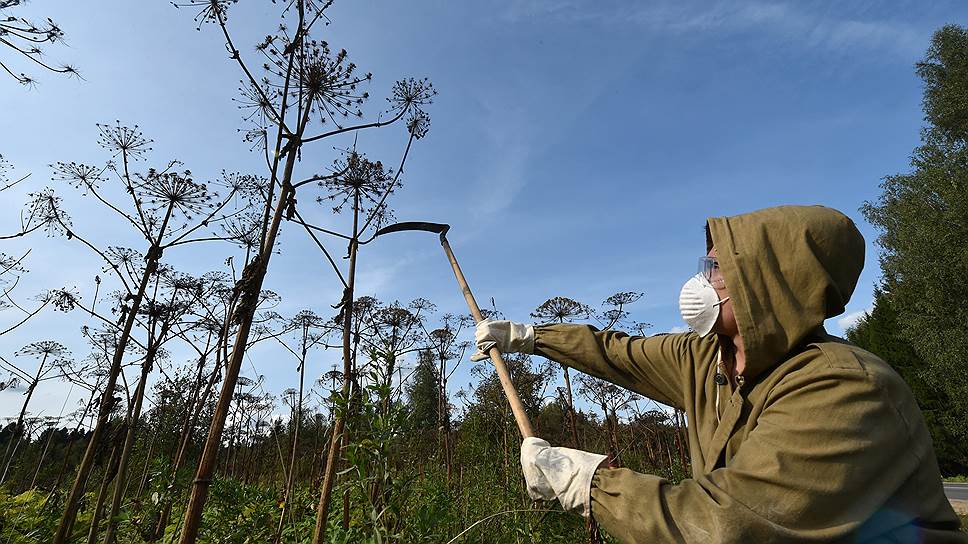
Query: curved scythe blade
x=438, y=228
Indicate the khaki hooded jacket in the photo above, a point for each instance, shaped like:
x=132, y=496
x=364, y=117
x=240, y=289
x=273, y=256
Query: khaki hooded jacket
x=821, y=442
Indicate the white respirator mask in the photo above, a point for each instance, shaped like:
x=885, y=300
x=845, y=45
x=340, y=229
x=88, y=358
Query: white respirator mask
x=699, y=304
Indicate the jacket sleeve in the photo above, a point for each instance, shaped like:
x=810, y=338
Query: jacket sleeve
x=827, y=454
x=651, y=366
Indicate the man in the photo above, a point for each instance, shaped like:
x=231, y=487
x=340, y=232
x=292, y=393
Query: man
x=794, y=435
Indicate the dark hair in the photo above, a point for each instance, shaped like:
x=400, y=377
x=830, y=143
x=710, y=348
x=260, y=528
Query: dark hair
x=709, y=239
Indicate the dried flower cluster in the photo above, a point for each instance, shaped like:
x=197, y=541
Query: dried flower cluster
x=44, y=348
x=209, y=11
x=80, y=176
x=44, y=210
x=178, y=191
x=362, y=178
x=26, y=39
x=126, y=141
x=328, y=82
x=412, y=94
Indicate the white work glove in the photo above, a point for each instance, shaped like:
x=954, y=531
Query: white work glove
x=507, y=336
x=561, y=473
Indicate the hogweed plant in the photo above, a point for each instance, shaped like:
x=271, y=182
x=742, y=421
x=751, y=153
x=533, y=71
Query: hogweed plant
x=25, y=40
x=310, y=332
x=564, y=310
x=393, y=331
x=166, y=207
x=172, y=295
x=308, y=91
x=443, y=345
x=54, y=358
x=207, y=329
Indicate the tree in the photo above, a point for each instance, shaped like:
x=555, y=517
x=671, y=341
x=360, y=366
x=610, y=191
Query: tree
x=422, y=393
x=923, y=220
x=880, y=333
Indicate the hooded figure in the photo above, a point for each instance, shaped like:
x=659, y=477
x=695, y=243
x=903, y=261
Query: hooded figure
x=814, y=440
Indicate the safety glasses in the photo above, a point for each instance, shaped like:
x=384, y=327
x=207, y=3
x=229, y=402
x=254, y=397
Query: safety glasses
x=709, y=268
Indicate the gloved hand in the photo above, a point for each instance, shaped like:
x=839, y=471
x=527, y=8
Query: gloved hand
x=562, y=473
x=508, y=336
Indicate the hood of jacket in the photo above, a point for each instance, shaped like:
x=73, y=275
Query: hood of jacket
x=787, y=269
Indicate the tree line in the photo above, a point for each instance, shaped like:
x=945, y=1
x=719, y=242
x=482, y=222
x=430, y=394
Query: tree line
x=919, y=318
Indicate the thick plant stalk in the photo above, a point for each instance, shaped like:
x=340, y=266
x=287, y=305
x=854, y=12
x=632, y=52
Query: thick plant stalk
x=102, y=495
x=231, y=454
x=571, y=409
x=250, y=286
x=50, y=436
x=18, y=428
x=143, y=481
x=43, y=455
x=295, y=436
x=191, y=417
x=329, y=475
x=443, y=415
x=104, y=410
x=681, y=440
x=133, y=419
x=121, y=478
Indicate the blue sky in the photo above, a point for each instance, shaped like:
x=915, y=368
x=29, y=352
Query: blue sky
x=576, y=147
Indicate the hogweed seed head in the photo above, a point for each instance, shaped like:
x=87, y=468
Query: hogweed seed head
x=209, y=11
x=80, y=176
x=63, y=300
x=360, y=176
x=411, y=93
x=176, y=190
x=244, y=230
x=44, y=348
x=122, y=140
x=44, y=208
x=418, y=124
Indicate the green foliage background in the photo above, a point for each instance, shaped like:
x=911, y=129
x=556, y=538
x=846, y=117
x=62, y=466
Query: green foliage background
x=920, y=319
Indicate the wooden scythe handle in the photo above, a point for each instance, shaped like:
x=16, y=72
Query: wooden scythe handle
x=517, y=408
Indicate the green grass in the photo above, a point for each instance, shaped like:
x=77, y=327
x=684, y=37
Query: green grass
x=957, y=479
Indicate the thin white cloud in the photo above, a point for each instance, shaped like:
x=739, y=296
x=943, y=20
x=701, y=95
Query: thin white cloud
x=679, y=328
x=375, y=279
x=784, y=21
x=507, y=137
x=851, y=319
